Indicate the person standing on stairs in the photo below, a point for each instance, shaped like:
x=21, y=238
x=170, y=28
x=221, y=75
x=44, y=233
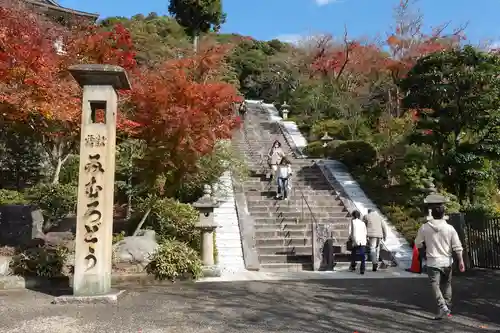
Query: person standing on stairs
x=283, y=175
x=274, y=157
x=376, y=231
x=358, y=236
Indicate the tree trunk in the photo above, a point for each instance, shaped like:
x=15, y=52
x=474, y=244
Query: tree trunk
x=58, y=168
x=196, y=39
x=129, y=197
x=57, y=171
x=139, y=226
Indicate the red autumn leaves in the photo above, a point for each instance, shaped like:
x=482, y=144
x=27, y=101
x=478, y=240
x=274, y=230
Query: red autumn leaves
x=181, y=104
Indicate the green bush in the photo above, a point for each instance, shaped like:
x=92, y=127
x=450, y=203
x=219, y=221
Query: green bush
x=55, y=200
x=40, y=261
x=171, y=220
x=334, y=127
x=118, y=237
x=315, y=149
x=9, y=197
x=404, y=220
x=355, y=154
x=174, y=259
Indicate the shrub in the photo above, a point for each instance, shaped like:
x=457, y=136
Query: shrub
x=55, y=200
x=40, y=261
x=9, y=197
x=315, y=149
x=118, y=237
x=171, y=219
x=404, y=221
x=174, y=259
x=355, y=154
x=334, y=128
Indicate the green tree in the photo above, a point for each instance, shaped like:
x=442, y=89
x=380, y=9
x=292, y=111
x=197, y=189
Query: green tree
x=198, y=16
x=455, y=94
x=156, y=38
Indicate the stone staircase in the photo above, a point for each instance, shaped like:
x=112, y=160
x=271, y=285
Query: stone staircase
x=283, y=229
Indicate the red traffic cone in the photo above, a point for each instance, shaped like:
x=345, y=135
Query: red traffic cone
x=415, y=261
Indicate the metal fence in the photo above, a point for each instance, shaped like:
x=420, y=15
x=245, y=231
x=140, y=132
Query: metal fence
x=483, y=243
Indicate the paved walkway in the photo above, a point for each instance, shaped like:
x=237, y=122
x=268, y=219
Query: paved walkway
x=320, y=306
x=342, y=272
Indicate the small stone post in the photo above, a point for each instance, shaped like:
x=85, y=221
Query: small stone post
x=285, y=111
x=206, y=224
x=94, y=226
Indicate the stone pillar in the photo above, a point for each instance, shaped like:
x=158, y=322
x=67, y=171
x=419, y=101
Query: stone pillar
x=94, y=226
x=206, y=224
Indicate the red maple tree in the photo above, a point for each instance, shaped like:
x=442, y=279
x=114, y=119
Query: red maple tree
x=408, y=43
x=35, y=85
x=183, y=109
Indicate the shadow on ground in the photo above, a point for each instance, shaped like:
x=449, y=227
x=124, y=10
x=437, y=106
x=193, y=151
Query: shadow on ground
x=381, y=305
x=319, y=306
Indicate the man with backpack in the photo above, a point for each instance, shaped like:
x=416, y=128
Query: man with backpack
x=441, y=241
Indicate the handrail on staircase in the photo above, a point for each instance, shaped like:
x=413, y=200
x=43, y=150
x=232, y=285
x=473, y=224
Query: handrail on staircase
x=344, y=198
x=317, y=234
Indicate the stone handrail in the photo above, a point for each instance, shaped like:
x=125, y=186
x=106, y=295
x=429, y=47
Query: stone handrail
x=247, y=228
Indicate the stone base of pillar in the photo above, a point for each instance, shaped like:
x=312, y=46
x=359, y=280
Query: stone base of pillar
x=211, y=271
x=109, y=298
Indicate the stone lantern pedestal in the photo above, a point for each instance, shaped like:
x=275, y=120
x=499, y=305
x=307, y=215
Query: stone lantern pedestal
x=207, y=226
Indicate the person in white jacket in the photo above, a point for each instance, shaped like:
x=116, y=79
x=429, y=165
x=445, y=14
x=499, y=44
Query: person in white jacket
x=441, y=240
x=358, y=236
x=283, y=173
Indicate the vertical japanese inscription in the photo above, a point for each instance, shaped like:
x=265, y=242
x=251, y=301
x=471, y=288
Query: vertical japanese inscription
x=93, y=215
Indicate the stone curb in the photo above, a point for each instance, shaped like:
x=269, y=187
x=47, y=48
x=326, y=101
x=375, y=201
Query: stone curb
x=13, y=282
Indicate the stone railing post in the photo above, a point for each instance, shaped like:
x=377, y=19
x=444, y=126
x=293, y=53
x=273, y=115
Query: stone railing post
x=206, y=224
x=94, y=224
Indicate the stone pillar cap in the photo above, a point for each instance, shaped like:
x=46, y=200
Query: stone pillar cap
x=206, y=201
x=100, y=75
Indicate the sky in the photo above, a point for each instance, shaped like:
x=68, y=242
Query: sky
x=290, y=20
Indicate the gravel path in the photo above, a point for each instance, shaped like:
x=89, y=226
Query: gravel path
x=319, y=306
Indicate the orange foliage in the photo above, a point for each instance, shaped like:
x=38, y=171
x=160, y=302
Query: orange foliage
x=183, y=109
x=34, y=81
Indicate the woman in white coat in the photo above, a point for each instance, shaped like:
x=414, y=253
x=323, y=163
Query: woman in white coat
x=358, y=236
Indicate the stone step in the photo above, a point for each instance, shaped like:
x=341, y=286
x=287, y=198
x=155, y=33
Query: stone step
x=303, y=233
x=283, y=259
x=280, y=241
x=285, y=250
x=285, y=267
x=296, y=208
x=324, y=188
x=283, y=224
x=283, y=219
x=309, y=197
x=326, y=202
x=297, y=215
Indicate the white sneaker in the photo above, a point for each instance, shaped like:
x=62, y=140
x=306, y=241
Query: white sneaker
x=444, y=312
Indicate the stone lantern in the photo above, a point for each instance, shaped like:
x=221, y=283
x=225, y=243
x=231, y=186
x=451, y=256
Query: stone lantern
x=206, y=224
x=285, y=111
x=326, y=139
x=433, y=199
